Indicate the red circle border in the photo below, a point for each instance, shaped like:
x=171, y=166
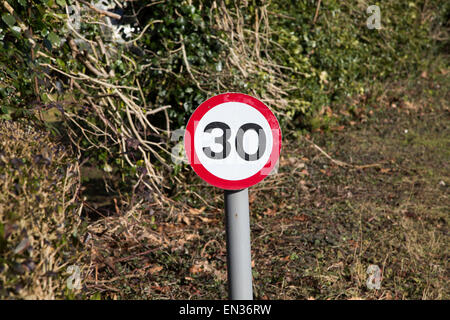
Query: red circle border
x=201, y=171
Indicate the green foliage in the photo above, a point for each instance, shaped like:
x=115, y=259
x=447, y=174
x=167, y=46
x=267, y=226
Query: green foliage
x=23, y=30
x=122, y=99
x=166, y=81
x=339, y=57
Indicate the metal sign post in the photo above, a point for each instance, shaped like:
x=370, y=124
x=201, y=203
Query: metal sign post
x=239, y=258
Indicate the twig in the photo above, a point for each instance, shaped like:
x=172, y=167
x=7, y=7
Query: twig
x=202, y=253
x=153, y=111
x=276, y=14
x=103, y=287
x=22, y=25
x=317, y=12
x=135, y=255
x=341, y=163
x=183, y=50
x=143, y=31
x=100, y=11
x=127, y=276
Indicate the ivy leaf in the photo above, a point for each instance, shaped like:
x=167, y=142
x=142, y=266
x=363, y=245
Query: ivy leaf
x=54, y=39
x=9, y=19
x=62, y=3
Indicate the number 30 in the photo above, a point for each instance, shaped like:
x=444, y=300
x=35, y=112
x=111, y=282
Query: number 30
x=226, y=146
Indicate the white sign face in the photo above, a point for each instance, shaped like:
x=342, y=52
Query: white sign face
x=233, y=166
x=232, y=141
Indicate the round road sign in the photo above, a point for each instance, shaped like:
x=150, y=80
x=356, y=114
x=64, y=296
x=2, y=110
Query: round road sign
x=232, y=141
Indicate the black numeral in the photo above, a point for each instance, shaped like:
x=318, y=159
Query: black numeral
x=223, y=140
x=240, y=142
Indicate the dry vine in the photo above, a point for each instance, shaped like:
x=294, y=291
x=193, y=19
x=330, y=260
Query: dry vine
x=244, y=44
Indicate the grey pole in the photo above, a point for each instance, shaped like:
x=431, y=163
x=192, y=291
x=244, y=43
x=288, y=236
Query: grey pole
x=238, y=245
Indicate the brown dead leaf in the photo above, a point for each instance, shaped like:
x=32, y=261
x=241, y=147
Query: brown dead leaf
x=155, y=269
x=301, y=218
x=410, y=106
x=304, y=172
x=206, y=220
x=191, y=236
x=301, y=165
x=201, y=266
x=195, y=211
x=186, y=220
x=353, y=243
x=344, y=113
x=338, y=128
x=196, y=268
x=292, y=160
x=163, y=289
x=269, y=212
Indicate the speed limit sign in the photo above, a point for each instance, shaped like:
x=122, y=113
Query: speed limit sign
x=233, y=141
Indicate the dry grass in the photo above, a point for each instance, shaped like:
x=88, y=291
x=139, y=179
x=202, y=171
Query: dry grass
x=40, y=224
x=317, y=225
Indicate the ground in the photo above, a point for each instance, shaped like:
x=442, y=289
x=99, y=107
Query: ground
x=371, y=191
